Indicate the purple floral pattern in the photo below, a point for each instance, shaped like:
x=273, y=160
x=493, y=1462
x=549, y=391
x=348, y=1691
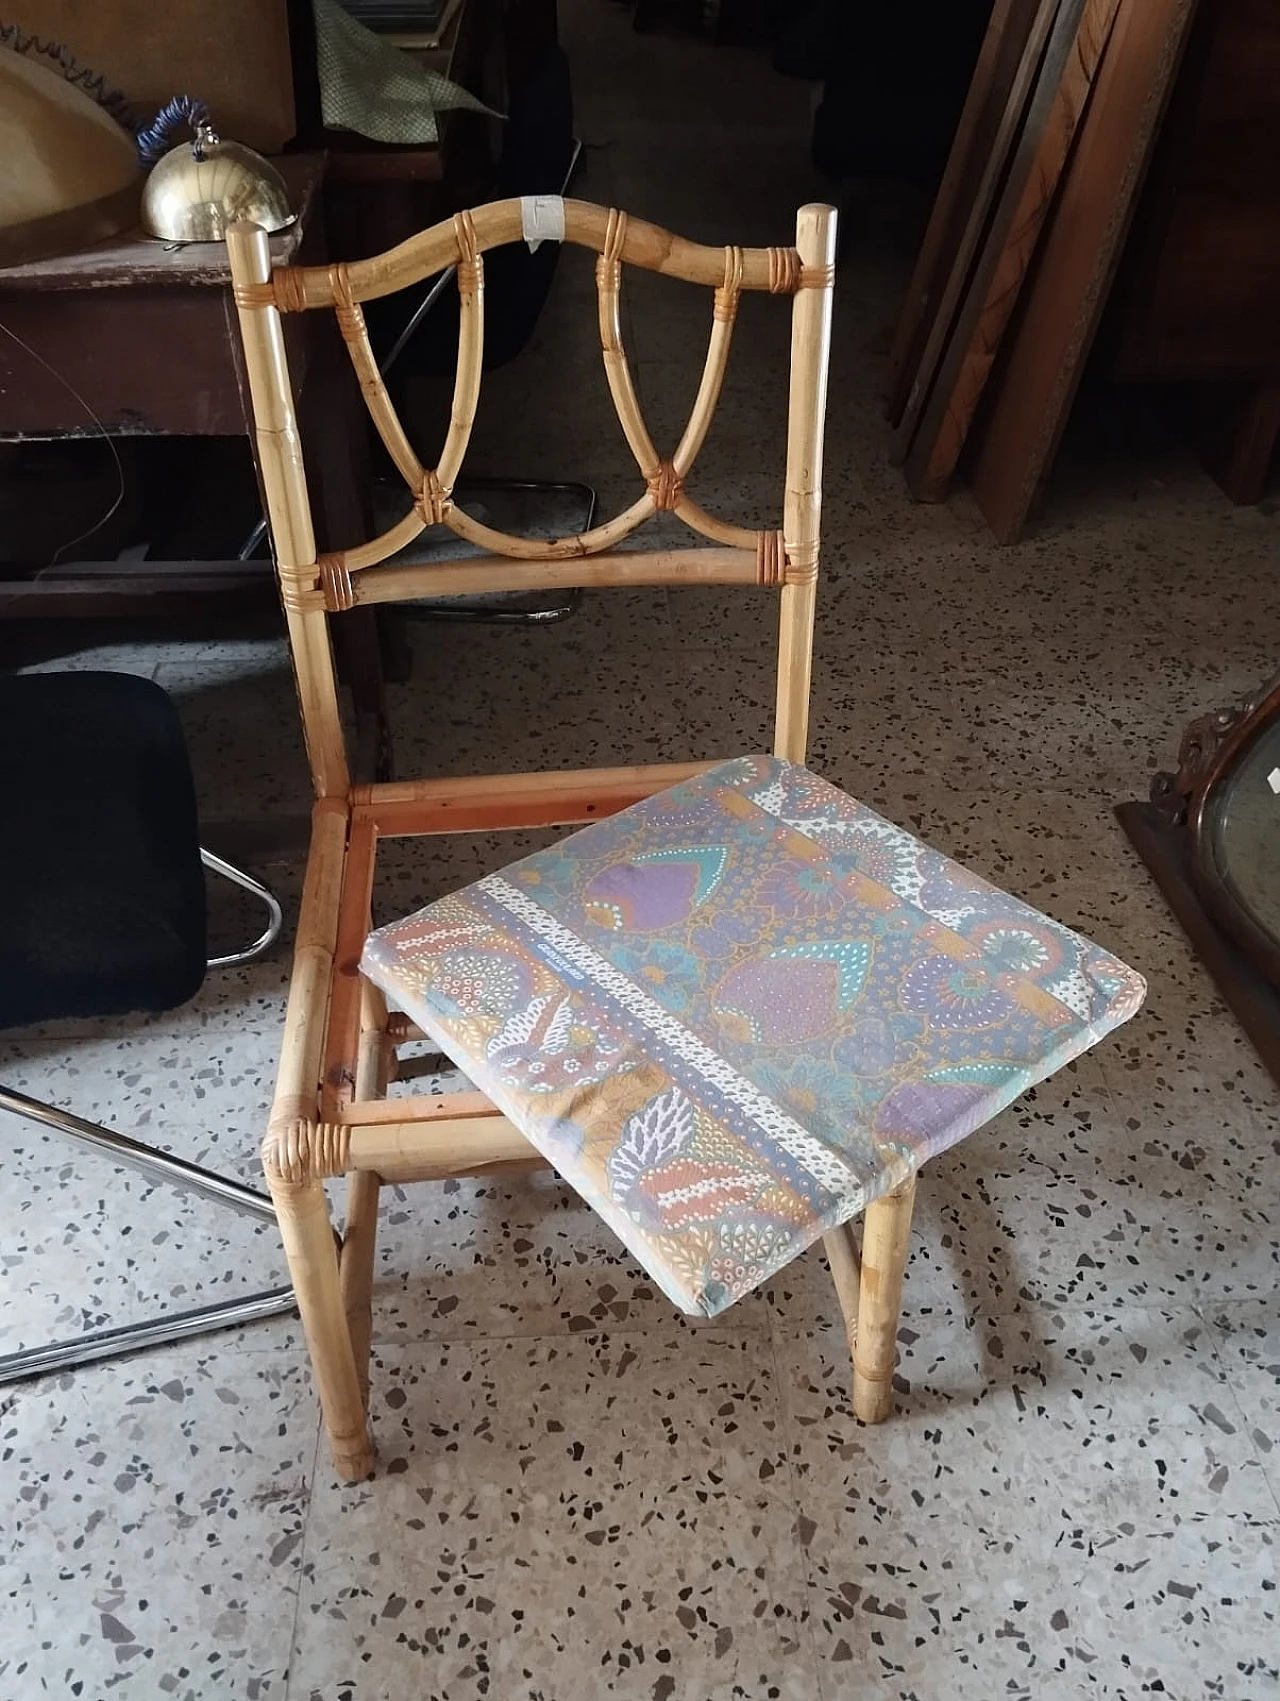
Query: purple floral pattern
x=738, y=1012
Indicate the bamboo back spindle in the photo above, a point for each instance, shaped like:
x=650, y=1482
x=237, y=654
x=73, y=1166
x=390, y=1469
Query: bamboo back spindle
x=802, y=500
x=284, y=484
x=470, y=367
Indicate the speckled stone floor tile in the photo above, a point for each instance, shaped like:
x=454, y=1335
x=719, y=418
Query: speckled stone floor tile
x=581, y=1494
x=516, y=1257
x=561, y=1519
x=92, y=1245
x=150, y=1543
x=1247, y=1334
x=1061, y=1522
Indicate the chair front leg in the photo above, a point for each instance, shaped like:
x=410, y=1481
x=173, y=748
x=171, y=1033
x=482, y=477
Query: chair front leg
x=886, y=1237
x=312, y=1253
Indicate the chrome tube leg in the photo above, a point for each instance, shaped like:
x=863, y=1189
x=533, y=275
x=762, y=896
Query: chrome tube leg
x=31, y=1362
x=156, y=1165
x=267, y=938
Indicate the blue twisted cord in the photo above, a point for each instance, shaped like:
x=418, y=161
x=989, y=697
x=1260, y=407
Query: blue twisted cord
x=156, y=138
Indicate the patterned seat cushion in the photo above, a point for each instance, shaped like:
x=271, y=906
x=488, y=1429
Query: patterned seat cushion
x=735, y=1014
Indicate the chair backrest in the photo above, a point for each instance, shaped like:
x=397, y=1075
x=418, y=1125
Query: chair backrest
x=313, y=586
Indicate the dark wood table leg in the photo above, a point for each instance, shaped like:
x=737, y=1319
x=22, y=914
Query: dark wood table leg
x=1239, y=430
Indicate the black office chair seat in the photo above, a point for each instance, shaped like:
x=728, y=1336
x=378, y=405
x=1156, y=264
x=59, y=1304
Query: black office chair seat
x=103, y=907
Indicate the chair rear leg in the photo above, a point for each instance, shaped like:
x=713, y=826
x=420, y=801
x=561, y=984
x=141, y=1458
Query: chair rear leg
x=886, y=1236
x=842, y=1258
x=355, y=1268
x=374, y=1062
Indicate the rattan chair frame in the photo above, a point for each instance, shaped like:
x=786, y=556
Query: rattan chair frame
x=331, y=1116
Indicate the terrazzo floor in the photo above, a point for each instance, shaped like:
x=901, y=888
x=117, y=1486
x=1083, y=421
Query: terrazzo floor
x=582, y=1494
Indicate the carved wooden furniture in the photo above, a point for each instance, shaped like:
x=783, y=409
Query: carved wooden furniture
x=899, y=1001
x=1211, y=837
x=1198, y=298
x=1085, y=98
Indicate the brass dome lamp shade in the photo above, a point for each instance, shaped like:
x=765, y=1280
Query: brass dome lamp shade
x=200, y=187
x=69, y=174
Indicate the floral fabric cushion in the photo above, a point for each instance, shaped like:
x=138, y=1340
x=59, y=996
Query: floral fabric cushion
x=735, y=1014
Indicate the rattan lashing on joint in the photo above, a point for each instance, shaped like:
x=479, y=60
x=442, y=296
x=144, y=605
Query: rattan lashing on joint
x=771, y=559
x=666, y=487
x=346, y=309
x=299, y=1149
x=609, y=265
x=431, y=500
x=730, y=291
x=335, y=582
x=800, y=563
x=470, y=260
x=254, y=295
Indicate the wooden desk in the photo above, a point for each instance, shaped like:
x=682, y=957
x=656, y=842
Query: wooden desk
x=139, y=337
x=144, y=330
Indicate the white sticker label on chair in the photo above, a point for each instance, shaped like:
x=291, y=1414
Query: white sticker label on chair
x=541, y=219
x=1273, y=780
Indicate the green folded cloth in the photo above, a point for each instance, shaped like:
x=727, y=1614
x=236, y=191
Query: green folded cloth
x=377, y=90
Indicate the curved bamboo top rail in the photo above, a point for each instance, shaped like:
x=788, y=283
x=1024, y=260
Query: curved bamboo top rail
x=777, y=270
x=329, y=584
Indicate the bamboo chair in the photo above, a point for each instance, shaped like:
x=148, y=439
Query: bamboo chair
x=331, y=1116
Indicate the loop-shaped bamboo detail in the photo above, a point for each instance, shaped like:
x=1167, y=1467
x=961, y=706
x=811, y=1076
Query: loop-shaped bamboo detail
x=779, y=269
x=666, y=487
x=729, y=292
x=784, y=271
x=617, y=370
x=771, y=558
x=384, y=416
x=707, y=525
x=599, y=538
x=335, y=582
x=346, y=309
x=466, y=380
x=431, y=500
x=299, y=1149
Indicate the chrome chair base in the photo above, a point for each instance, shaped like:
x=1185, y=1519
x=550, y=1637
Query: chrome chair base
x=156, y=1165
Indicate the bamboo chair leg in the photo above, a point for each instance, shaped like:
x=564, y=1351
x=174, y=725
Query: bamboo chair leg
x=842, y=1259
x=886, y=1236
x=312, y=1252
x=356, y=1268
x=359, y=1243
